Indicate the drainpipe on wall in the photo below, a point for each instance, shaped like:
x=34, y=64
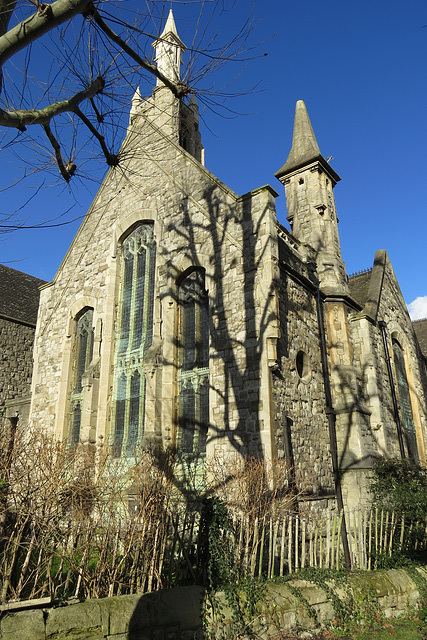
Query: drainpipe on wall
x=383, y=327
x=332, y=430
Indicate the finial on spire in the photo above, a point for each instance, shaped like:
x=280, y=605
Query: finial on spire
x=169, y=49
x=304, y=145
x=170, y=26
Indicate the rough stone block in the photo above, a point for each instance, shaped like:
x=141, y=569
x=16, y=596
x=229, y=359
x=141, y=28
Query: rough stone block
x=23, y=625
x=76, y=622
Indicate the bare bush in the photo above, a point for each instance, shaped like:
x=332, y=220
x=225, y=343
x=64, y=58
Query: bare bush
x=71, y=527
x=256, y=488
x=81, y=523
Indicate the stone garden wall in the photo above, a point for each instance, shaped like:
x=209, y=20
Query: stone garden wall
x=177, y=614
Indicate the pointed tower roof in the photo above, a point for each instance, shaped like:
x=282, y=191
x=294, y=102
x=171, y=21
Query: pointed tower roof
x=169, y=49
x=305, y=149
x=170, y=30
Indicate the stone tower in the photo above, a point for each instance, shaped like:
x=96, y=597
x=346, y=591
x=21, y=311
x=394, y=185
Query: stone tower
x=169, y=49
x=309, y=181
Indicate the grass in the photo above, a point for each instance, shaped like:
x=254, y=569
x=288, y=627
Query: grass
x=407, y=629
x=399, y=630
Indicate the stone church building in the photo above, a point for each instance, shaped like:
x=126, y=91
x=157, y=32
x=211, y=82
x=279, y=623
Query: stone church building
x=186, y=315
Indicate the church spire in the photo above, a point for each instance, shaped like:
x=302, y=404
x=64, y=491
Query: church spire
x=309, y=180
x=170, y=26
x=305, y=149
x=169, y=49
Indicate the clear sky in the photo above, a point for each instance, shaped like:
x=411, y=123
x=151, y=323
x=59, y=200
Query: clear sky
x=361, y=70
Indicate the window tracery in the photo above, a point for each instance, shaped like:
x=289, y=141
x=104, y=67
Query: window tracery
x=83, y=352
x=193, y=364
x=405, y=402
x=133, y=338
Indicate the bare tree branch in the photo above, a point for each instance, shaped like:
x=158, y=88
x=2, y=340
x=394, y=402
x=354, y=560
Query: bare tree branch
x=36, y=25
x=7, y=7
x=60, y=54
x=66, y=172
x=179, y=90
x=22, y=118
x=111, y=158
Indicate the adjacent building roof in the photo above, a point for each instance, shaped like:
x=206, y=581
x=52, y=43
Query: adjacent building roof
x=359, y=286
x=420, y=328
x=19, y=295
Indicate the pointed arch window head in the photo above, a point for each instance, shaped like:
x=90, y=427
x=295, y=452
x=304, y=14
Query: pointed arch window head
x=82, y=357
x=193, y=364
x=405, y=401
x=134, y=336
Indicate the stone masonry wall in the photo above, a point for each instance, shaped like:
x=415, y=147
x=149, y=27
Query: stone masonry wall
x=177, y=614
x=300, y=401
x=394, y=312
x=370, y=357
x=16, y=360
x=198, y=222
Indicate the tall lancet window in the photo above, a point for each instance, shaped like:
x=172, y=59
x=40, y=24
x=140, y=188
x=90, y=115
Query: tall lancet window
x=82, y=357
x=405, y=402
x=193, y=364
x=133, y=338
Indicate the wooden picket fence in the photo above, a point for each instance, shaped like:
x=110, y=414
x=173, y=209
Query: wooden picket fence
x=80, y=560
x=276, y=547
x=137, y=556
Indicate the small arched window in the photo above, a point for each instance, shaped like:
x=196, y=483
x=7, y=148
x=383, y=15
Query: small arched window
x=193, y=364
x=82, y=357
x=405, y=402
x=134, y=336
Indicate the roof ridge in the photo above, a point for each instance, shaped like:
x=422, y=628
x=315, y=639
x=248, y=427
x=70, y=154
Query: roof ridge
x=359, y=273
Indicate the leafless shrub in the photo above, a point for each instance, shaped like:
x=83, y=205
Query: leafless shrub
x=79, y=522
x=256, y=488
x=73, y=527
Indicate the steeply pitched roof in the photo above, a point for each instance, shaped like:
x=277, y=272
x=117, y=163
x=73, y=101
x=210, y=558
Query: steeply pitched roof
x=304, y=146
x=359, y=286
x=19, y=295
x=420, y=328
x=170, y=30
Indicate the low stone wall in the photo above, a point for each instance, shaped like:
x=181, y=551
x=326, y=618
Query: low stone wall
x=177, y=614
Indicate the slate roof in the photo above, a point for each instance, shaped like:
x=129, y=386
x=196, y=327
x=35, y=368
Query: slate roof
x=19, y=295
x=420, y=328
x=359, y=286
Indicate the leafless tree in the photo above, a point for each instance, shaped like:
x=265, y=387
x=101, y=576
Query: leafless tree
x=68, y=69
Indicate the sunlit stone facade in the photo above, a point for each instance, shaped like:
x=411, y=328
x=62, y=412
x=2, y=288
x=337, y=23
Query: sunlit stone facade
x=215, y=330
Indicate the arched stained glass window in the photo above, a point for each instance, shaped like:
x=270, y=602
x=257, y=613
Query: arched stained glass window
x=405, y=402
x=82, y=357
x=134, y=337
x=193, y=364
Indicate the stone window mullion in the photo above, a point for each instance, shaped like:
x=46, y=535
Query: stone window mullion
x=134, y=337
x=83, y=353
x=134, y=301
x=193, y=363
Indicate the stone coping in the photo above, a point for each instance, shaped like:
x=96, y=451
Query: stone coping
x=176, y=614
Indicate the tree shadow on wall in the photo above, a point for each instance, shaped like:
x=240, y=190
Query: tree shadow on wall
x=238, y=317
x=169, y=613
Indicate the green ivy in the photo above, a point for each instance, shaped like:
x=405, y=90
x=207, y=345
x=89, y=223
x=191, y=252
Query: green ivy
x=227, y=584
x=400, y=486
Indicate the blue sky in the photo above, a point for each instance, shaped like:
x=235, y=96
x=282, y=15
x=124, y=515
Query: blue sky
x=361, y=70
